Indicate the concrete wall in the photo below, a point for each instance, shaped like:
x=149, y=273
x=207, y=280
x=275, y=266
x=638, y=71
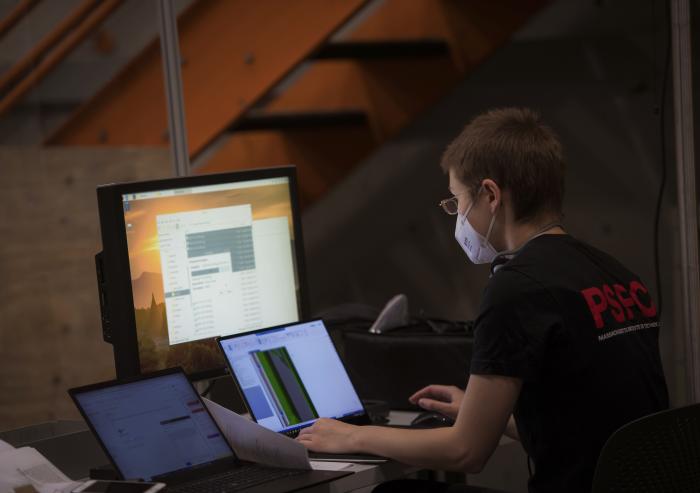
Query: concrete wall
x=593, y=71
x=50, y=332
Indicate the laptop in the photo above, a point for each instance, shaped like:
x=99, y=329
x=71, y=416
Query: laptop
x=291, y=375
x=155, y=427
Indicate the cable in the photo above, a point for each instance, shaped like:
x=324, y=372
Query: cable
x=662, y=132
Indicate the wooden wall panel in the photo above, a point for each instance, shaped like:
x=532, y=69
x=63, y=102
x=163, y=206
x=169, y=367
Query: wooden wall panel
x=324, y=86
x=50, y=334
x=477, y=29
x=323, y=156
x=401, y=20
x=233, y=52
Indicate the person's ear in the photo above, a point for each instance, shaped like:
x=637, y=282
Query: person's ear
x=493, y=193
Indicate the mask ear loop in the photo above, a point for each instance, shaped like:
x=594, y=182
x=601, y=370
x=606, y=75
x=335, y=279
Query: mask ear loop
x=466, y=213
x=471, y=205
x=488, y=233
x=493, y=219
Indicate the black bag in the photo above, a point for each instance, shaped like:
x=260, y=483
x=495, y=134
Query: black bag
x=393, y=365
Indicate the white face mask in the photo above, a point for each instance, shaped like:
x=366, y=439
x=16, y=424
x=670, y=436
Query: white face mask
x=478, y=248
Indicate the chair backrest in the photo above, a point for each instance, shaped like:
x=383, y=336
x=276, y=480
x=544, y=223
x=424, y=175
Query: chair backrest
x=657, y=453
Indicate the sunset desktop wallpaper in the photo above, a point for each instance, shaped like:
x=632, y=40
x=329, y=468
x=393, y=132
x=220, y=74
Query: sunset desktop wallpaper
x=155, y=351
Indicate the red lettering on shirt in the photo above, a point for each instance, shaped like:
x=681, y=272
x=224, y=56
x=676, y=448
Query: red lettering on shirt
x=619, y=301
x=596, y=307
x=627, y=302
x=615, y=307
x=647, y=310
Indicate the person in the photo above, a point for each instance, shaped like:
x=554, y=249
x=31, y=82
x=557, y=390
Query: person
x=566, y=338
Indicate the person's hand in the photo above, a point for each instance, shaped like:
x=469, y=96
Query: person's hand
x=329, y=435
x=441, y=398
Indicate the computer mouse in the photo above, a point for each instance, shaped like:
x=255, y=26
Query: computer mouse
x=431, y=419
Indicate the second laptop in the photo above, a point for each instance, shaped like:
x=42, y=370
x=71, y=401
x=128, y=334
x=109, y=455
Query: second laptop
x=291, y=375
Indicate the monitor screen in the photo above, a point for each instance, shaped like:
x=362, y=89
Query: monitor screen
x=207, y=256
x=291, y=375
x=154, y=426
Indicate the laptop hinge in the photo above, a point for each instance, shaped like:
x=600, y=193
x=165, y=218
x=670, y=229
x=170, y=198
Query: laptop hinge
x=197, y=473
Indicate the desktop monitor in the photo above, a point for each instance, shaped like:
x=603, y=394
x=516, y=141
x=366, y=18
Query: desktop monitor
x=188, y=259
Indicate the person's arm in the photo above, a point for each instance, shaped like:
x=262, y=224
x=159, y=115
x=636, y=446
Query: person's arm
x=447, y=399
x=466, y=446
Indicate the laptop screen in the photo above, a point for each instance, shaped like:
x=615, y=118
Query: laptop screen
x=154, y=426
x=291, y=375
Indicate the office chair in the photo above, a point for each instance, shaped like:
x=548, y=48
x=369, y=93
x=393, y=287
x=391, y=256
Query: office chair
x=655, y=454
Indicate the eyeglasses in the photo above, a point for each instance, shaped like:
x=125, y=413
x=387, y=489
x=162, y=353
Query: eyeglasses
x=451, y=205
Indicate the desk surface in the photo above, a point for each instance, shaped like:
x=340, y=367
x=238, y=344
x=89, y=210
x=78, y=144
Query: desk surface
x=70, y=446
x=364, y=476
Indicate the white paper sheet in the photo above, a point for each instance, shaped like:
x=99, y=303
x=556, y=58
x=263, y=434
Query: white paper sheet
x=58, y=487
x=256, y=443
x=329, y=466
x=26, y=465
x=4, y=446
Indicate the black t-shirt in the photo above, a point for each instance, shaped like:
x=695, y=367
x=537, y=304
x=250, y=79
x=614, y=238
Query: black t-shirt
x=581, y=331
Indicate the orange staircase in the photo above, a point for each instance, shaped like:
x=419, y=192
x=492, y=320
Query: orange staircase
x=316, y=83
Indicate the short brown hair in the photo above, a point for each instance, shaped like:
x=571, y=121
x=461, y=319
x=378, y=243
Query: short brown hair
x=516, y=150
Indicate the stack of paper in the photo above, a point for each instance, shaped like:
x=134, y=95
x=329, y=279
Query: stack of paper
x=26, y=466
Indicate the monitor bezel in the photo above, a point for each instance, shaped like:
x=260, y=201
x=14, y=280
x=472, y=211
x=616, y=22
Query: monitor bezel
x=117, y=295
x=362, y=418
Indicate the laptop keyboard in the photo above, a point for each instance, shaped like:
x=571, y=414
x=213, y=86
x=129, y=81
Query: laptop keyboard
x=295, y=432
x=235, y=479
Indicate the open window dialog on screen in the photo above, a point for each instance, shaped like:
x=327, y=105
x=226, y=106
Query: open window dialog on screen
x=223, y=272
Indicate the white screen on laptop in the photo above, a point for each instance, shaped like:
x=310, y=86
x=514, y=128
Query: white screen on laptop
x=291, y=376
